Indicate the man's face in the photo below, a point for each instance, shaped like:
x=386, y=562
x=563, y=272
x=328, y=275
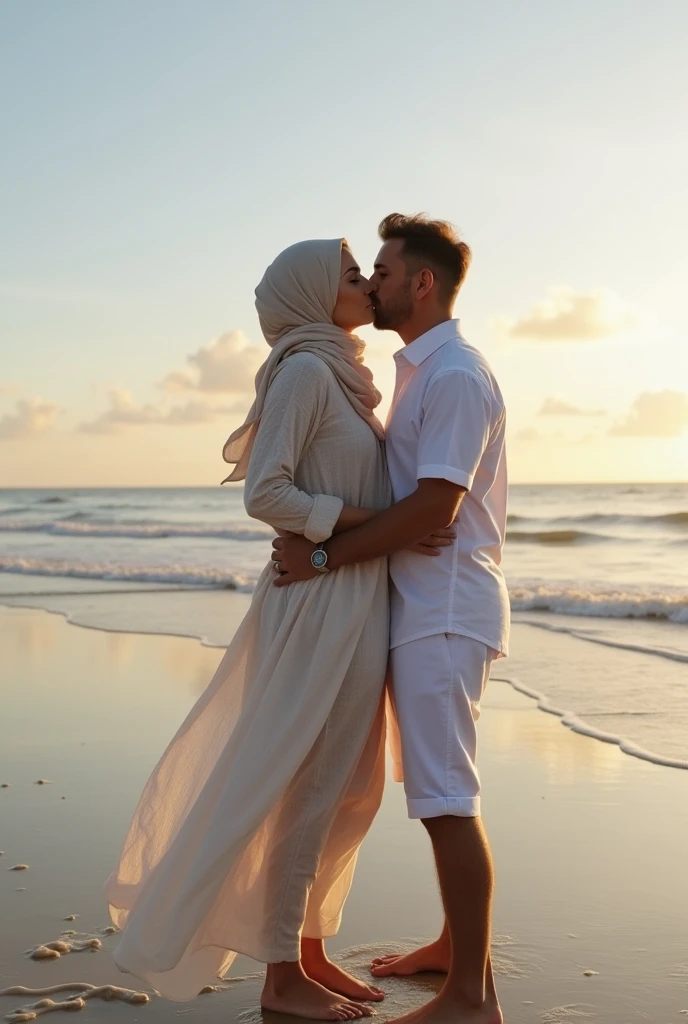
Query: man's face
x=391, y=287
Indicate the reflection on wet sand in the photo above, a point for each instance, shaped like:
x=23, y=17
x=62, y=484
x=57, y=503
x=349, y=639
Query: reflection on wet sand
x=92, y=711
x=567, y=756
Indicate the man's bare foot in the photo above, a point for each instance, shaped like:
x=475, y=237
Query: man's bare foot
x=433, y=957
x=444, y=1009
x=336, y=979
x=301, y=996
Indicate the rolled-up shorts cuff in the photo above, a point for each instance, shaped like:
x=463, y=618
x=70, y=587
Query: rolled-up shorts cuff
x=435, y=690
x=439, y=807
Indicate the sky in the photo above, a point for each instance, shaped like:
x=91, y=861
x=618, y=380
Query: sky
x=157, y=155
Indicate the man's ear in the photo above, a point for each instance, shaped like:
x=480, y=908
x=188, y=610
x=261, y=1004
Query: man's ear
x=426, y=279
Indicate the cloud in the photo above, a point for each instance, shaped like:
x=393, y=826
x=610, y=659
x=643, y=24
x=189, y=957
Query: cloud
x=33, y=416
x=655, y=414
x=124, y=411
x=531, y=435
x=528, y=434
x=560, y=407
x=227, y=364
x=567, y=315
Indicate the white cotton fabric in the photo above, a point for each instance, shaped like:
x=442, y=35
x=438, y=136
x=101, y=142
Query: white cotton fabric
x=437, y=683
x=447, y=420
x=247, y=832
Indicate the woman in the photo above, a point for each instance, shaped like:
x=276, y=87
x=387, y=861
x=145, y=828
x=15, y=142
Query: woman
x=246, y=835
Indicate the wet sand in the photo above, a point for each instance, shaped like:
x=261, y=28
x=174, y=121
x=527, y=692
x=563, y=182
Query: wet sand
x=590, y=844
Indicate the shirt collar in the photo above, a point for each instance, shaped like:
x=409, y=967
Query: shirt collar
x=419, y=350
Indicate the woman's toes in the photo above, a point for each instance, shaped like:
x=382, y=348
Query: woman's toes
x=373, y=993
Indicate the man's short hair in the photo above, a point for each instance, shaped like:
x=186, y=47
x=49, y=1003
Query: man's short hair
x=434, y=244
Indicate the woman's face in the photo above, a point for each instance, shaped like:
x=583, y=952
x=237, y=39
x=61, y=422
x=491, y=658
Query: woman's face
x=354, y=306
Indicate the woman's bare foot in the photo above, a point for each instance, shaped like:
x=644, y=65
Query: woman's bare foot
x=319, y=967
x=433, y=957
x=288, y=989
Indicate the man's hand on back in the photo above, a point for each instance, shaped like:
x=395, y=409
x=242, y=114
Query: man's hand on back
x=440, y=538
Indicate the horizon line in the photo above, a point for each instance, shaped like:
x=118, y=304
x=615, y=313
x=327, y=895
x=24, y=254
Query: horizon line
x=236, y=485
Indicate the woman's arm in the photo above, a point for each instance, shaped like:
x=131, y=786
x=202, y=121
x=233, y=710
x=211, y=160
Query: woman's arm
x=294, y=408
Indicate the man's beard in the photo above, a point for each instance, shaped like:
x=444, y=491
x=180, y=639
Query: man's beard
x=395, y=312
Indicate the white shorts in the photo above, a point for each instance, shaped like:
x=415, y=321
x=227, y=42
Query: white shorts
x=436, y=686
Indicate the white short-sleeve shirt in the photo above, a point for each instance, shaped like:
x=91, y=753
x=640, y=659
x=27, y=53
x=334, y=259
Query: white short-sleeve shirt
x=447, y=420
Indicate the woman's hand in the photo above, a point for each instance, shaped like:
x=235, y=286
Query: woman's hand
x=432, y=544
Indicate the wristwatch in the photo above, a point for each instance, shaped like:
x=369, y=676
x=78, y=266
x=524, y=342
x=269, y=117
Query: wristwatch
x=319, y=559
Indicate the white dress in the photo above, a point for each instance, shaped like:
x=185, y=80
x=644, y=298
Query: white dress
x=246, y=834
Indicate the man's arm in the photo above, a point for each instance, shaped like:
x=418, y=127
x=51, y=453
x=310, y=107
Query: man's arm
x=454, y=434
x=432, y=506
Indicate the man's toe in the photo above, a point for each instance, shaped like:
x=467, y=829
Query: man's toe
x=382, y=970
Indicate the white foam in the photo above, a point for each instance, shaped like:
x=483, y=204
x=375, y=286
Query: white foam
x=174, y=574
x=622, y=645
x=135, y=531
x=572, y=721
x=604, y=602
x=668, y=603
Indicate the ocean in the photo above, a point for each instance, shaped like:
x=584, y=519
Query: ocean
x=603, y=565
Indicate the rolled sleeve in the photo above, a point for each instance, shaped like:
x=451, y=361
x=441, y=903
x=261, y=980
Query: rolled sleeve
x=455, y=430
x=454, y=476
x=323, y=517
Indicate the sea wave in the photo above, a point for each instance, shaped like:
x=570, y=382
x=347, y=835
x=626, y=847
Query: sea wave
x=669, y=604
x=193, y=575
x=75, y=526
x=137, y=531
x=675, y=519
x=606, y=603
x=654, y=649
x=553, y=537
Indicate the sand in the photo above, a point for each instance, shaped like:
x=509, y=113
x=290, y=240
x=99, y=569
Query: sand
x=589, y=843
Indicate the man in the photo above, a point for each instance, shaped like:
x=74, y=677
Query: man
x=450, y=614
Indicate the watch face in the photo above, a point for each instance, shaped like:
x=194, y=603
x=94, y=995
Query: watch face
x=319, y=559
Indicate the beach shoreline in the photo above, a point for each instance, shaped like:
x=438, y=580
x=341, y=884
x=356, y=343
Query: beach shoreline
x=625, y=649
x=90, y=711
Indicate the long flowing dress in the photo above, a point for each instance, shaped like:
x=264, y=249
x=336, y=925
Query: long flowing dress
x=246, y=834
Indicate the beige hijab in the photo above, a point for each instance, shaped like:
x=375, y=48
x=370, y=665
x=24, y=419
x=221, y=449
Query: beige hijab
x=295, y=301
